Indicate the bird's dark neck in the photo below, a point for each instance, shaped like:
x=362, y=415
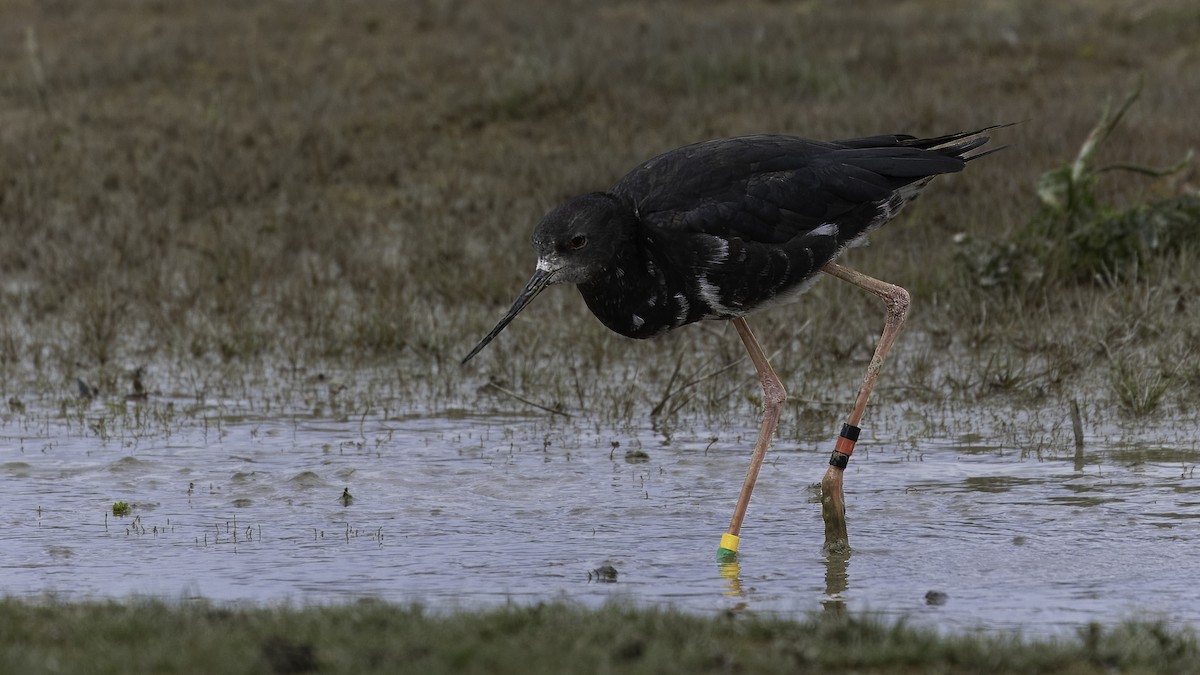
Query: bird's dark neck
x=638, y=294
x=617, y=294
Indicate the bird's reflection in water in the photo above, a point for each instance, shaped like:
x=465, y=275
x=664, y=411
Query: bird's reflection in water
x=731, y=572
x=837, y=580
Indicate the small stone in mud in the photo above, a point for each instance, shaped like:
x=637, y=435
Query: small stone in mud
x=936, y=598
x=637, y=457
x=604, y=573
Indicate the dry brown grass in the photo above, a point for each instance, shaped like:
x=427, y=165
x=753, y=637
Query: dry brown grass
x=207, y=183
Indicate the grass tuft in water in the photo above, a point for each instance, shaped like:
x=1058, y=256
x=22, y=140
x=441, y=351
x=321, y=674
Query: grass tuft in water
x=1139, y=389
x=1076, y=236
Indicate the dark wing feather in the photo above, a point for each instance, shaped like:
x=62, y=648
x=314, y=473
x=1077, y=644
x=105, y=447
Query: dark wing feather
x=771, y=188
x=746, y=186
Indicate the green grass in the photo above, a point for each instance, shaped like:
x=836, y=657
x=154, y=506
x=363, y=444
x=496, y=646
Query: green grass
x=1076, y=236
x=369, y=637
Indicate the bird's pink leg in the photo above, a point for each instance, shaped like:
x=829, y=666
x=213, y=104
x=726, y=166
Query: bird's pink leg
x=773, y=397
x=833, y=503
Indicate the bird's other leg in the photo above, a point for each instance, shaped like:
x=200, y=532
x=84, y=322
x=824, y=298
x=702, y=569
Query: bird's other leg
x=773, y=398
x=833, y=503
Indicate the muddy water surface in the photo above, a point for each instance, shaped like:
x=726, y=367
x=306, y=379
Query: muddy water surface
x=468, y=511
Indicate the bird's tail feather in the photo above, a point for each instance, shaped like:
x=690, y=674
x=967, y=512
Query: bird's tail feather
x=959, y=144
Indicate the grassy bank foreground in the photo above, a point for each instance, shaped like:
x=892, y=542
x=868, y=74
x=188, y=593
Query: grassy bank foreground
x=367, y=637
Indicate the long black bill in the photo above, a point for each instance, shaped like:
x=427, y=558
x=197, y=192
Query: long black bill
x=537, y=283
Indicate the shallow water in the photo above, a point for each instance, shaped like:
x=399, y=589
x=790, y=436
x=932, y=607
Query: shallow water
x=468, y=511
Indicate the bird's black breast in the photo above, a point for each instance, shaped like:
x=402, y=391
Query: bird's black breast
x=641, y=293
x=670, y=278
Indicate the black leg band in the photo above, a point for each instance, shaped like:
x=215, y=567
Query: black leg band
x=839, y=460
x=850, y=432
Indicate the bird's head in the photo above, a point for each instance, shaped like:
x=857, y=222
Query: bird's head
x=577, y=239
x=574, y=242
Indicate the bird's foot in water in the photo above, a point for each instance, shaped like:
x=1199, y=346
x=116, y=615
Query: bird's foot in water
x=833, y=511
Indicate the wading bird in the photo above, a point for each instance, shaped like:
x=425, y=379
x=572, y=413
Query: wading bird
x=724, y=228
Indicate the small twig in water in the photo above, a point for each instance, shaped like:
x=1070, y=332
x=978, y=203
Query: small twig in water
x=1077, y=427
x=522, y=399
x=693, y=382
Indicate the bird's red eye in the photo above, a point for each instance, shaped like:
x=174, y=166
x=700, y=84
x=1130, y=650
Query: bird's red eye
x=578, y=241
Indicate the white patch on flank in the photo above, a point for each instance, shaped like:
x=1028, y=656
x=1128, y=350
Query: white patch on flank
x=711, y=295
x=826, y=230
x=637, y=322
x=890, y=207
x=907, y=194
x=720, y=251
x=684, y=308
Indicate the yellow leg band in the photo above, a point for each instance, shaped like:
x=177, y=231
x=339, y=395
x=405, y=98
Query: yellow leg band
x=729, y=542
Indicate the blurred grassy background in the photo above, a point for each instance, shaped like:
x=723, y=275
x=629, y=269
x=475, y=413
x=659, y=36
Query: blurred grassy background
x=355, y=182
